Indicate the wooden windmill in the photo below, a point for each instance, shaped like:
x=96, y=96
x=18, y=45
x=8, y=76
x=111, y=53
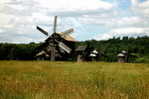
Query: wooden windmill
x=58, y=46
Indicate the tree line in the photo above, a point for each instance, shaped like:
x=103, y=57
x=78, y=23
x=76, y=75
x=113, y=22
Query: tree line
x=138, y=49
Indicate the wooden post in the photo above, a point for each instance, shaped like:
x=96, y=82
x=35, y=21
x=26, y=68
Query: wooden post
x=52, y=58
x=79, y=58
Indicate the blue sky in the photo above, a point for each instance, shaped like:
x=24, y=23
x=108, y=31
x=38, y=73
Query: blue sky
x=91, y=19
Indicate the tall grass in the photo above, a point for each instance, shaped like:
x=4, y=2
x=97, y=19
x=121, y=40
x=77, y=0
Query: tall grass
x=70, y=80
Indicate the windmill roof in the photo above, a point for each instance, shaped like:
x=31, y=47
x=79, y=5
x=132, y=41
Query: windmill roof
x=120, y=55
x=67, y=37
x=124, y=52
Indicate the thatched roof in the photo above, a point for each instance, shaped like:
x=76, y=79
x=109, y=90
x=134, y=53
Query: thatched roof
x=67, y=37
x=121, y=55
x=124, y=52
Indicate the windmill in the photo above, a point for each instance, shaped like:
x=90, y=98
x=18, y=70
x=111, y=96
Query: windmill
x=58, y=46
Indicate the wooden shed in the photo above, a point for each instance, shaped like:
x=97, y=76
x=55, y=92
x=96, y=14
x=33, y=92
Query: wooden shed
x=123, y=56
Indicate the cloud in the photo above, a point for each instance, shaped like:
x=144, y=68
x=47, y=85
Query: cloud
x=112, y=21
x=20, y=17
x=120, y=32
x=104, y=17
x=144, y=8
x=1, y=30
x=135, y=22
x=141, y=8
x=73, y=5
x=135, y=2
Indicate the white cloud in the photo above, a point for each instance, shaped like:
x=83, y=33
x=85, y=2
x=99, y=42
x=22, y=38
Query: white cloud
x=129, y=20
x=128, y=30
x=5, y=19
x=119, y=32
x=110, y=21
x=104, y=36
x=135, y=25
x=73, y=5
x=1, y=30
x=4, y=1
x=20, y=17
x=141, y=8
x=144, y=4
x=144, y=8
x=135, y=2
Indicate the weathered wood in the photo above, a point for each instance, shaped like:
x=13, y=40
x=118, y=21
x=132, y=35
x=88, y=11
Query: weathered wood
x=80, y=58
x=52, y=58
x=64, y=47
x=55, y=24
x=42, y=31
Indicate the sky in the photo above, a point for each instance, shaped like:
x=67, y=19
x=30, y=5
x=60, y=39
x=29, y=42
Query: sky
x=91, y=19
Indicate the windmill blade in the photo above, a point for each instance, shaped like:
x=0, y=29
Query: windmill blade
x=55, y=24
x=40, y=53
x=69, y=38
x=66, y=35
x=41, y=30
x=67, y=32
x=64, y=47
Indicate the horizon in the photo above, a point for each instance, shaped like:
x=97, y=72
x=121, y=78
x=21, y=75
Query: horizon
x=121, y=38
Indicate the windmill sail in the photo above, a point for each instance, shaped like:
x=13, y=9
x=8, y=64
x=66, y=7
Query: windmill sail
x=55, y=24
x=42, y=31
x=64, y=47
x=66, y=35
x=67, y=32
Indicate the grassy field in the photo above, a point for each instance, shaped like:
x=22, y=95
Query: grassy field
x=70, y=80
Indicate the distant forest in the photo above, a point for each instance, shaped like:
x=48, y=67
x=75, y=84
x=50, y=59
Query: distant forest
x=138, y=49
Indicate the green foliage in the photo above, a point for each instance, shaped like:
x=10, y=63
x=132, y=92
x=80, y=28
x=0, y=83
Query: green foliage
x=17, y=51
x=108, y=48
x=144, y=59
x=138, y=46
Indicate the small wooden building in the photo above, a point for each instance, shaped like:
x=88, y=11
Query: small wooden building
x=94, y=54
x=123, y=56
x=86, y=53
x=81, y=53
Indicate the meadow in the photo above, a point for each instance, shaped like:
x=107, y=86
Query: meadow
x=72, y=80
